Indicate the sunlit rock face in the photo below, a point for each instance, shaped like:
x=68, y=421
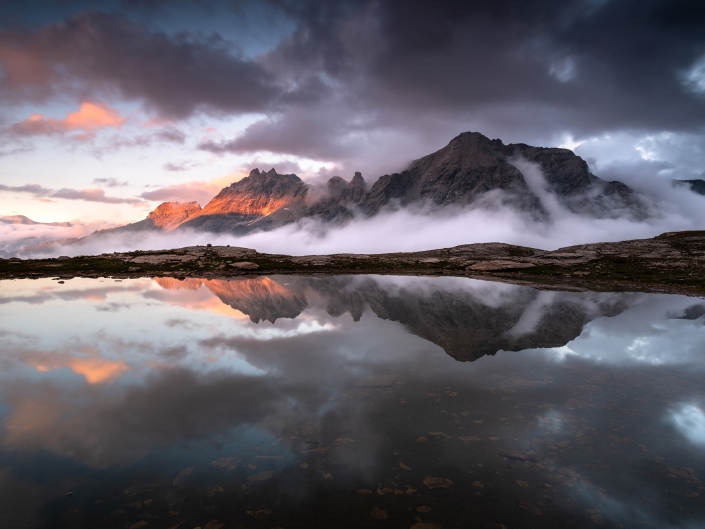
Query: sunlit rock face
x=169, y=215
x=258, y=195
x=268, y=200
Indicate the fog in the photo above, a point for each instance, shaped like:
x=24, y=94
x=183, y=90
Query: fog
x=13, y=237
x=397, y=229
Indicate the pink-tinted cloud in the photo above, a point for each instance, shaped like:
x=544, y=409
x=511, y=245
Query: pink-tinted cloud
x=201, y=192
x=89, y=118
x=89, y=195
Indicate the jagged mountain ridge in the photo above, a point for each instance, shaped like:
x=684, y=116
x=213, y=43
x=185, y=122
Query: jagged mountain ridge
x=472, y=165
x=469, y=168
x=460, y=173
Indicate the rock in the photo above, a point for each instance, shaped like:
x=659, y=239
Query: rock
x=213, y=489
x=376, y=381
x=260, y=477
x=244, y=265
x=182, y=476
x=498, y=265
x=228, y=463
x=437, y=483
x=403, y=466
x=379, y=514
x=169, y=215
x=214, y=524
x=439, y=435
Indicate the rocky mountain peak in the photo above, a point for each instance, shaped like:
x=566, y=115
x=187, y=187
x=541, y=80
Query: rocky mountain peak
x=472, y=165
x=168, y=215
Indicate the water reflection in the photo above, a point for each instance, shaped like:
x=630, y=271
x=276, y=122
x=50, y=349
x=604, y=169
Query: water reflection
x=294, y=401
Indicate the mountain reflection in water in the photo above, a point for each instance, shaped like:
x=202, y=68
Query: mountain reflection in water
x=305, y=401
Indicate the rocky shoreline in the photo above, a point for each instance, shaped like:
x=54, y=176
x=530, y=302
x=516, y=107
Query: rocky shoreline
x=670, y=263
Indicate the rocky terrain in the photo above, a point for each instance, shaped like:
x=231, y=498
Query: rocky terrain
x=672, y=262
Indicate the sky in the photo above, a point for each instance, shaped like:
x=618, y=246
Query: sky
x=109, y=108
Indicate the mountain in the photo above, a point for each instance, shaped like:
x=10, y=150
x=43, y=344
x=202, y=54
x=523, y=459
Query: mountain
x=238, y=207
x=463, y=172
x=471, y=165
x=470, y=169
x=166, y=217
x=696, y=186
x=21, y=219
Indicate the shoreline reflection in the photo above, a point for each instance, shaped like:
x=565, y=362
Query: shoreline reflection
x=280, y=401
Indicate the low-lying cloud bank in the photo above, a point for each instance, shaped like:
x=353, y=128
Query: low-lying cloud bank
x=14, y=237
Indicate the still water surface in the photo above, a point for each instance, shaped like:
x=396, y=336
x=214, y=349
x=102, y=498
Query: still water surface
x=366, y=401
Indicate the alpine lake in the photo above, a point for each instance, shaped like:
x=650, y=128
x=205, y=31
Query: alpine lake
x=348, y=401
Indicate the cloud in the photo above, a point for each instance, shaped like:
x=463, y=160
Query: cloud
x=171, y=407
x=95, y=53
x=374, y=84
x=182, y=166
x=110, y=182
x=89, y=118
x=89, y=195
x=88, y=363
x=402, y=69
x=689, y=420
x=199, y=191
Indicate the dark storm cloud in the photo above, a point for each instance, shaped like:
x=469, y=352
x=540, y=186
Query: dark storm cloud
x=351, y=71
x=522, y=70
x=96, y=53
